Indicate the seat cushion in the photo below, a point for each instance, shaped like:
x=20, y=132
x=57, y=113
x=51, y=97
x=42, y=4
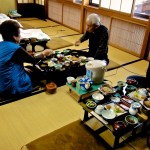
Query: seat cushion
x=74, y=136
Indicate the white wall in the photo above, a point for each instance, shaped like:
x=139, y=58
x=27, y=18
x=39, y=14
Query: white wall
x=6, y=5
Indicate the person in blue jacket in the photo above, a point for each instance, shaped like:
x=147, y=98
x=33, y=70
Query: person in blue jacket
x=14, y=78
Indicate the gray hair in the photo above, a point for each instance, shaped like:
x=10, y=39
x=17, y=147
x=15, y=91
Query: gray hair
x=94, y=19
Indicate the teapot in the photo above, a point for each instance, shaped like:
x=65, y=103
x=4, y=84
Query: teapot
x=134, y=108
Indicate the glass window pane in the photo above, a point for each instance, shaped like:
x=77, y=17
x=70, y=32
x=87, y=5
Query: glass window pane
x=43, y=2
x=126, y=6
x=25, y=1
x=30, y=1
x=20, y=1
x=95, y=1
x=115, y=4
x=105, y=3
x=142, y=8
x=37, y=1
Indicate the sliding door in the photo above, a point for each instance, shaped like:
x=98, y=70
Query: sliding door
x=32, y=8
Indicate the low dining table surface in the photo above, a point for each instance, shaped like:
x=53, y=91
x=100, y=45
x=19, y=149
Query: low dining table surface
x=108, y=124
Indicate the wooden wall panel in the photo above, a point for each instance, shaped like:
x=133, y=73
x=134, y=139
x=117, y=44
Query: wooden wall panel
x=55, y=11
x=71, y=16
x=127, y=36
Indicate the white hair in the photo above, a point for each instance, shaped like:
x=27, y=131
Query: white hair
x=94, y=19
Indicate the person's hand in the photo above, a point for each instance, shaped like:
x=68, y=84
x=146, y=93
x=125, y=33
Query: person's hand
x=77, y=43
x=28, y=70
x=47, y=52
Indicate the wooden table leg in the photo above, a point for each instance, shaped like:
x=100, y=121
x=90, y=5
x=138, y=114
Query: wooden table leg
x=116, y=142
x=85, y=118
x=70, y=90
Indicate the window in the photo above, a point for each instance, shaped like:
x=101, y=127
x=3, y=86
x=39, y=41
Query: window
x=126, y=6
x=94, y=2
x=77, y=1
x=40, y=2
x=115, y=5
x=105, y=3
x=142, y=9
x=118, y=5
x=25, y=1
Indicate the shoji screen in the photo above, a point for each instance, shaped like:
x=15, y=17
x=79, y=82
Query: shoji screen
x=71, y=16
x=127, y=36
x=55, y=11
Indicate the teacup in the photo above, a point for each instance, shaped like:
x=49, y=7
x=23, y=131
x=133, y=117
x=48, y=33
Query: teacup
x=99, y=109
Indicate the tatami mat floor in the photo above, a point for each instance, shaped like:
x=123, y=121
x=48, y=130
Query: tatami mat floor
x=32, y=117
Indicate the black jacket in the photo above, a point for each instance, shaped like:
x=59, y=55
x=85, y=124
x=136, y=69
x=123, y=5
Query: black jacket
x=98, y=42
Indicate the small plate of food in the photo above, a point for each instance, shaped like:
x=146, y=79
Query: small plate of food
x=91, y=104
x=106, y=89
x=114, y=107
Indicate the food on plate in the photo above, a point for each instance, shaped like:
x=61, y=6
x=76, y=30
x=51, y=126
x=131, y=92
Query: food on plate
x=118, y=109
x=90, y=104
x=131, y=120
x=114, y=107
x=82, y=58
x=121, y=83
x=74, y=58
x=131, y=81
x=139, y=96
x=146, y=102
x=107, y=89
x=108, y=106
x=127, y=99
x=136, y=96
x=124, y=107
x=68, y=56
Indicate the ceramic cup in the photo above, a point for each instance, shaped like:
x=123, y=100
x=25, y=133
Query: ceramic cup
x=99, y=109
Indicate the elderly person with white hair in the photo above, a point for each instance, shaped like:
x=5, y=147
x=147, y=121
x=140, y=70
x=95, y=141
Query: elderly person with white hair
x=98, y=38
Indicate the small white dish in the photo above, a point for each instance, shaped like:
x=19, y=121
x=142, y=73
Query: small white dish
x=108, y=114
x=69, y=79
x=115, y=99
x=97, y=97
x=99, y=109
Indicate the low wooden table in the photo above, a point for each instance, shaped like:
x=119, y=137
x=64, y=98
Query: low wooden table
x=108, y=125
x=33, y=44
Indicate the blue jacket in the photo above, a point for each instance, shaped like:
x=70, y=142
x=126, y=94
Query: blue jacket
x=13, y=77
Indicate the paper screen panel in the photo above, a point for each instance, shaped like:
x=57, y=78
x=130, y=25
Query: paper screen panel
x=71, y=16
x=55, y=11
x=127, y=36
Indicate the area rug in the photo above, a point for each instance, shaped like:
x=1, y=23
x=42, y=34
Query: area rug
x=75, y=136
x=57, y=43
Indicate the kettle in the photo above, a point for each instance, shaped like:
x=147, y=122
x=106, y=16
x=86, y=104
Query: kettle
x=134, y=108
